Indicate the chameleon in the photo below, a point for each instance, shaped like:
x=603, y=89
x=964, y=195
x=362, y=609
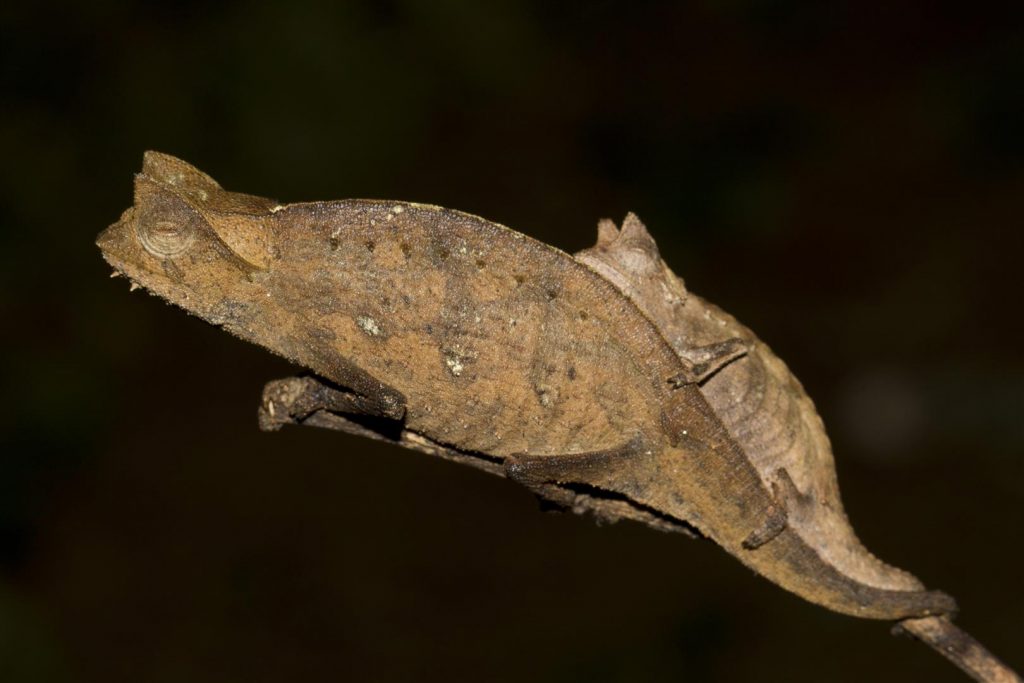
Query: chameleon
x=597, y=380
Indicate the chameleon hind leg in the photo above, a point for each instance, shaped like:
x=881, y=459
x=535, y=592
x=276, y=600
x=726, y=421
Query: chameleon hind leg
x=642, y=475
x=595, y=468
x=633, y=471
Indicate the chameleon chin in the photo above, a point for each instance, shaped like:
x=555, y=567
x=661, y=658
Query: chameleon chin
x=596, y=379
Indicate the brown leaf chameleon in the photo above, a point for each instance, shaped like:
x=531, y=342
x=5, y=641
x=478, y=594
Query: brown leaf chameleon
x=597, y=380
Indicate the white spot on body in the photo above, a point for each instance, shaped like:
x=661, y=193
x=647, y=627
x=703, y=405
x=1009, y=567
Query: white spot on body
x=456, y=359
x=670, y=296
x=368, y=325
x=398, y=208
x=454, y=364
x=546, y=395
x=275, y=209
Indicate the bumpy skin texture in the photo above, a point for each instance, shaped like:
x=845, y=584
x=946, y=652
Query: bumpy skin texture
x=762, y=405
x=475, y=342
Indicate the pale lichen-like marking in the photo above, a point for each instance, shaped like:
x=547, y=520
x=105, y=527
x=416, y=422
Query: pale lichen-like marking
x=456, y=358
x=368, y=325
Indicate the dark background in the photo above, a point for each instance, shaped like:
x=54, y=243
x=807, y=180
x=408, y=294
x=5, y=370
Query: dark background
x=845, y=179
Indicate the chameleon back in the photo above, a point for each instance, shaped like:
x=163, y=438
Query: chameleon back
x=498, y=343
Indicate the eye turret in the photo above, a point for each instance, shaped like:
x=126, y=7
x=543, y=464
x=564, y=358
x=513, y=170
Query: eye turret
x=165, y=225
x=165, y=238
x=177, y=202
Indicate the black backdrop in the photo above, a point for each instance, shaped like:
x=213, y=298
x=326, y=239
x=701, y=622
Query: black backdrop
x=847, y=180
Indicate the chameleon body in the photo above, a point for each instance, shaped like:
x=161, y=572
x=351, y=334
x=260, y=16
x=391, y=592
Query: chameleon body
x=596, y=376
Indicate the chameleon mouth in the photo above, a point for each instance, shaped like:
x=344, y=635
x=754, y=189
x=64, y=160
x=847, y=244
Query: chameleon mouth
x=115, y=244
x=109, y=241
x=120, y=270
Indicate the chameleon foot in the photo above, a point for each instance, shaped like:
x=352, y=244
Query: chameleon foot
x=701, y=362
x=293, y=399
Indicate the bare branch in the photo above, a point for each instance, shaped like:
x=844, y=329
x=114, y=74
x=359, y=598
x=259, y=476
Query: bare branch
x=943, y=636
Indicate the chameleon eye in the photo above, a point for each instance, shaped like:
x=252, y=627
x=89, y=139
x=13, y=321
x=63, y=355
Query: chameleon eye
x=165, y=237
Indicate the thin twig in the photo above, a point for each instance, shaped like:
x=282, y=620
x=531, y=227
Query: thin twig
x=943, y=636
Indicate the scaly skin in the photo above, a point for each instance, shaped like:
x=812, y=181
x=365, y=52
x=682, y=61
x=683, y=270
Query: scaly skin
x=484, y=341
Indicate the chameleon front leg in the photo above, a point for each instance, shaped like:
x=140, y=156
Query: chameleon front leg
x=309, y=401
x=701, y=362
x=294, y=399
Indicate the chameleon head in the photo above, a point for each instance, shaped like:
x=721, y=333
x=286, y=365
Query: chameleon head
x=191, y=242
x=629, y=258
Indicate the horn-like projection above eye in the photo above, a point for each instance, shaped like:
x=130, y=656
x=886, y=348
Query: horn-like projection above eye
x=248, y=239
x=180, y=198
x=181, y=176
